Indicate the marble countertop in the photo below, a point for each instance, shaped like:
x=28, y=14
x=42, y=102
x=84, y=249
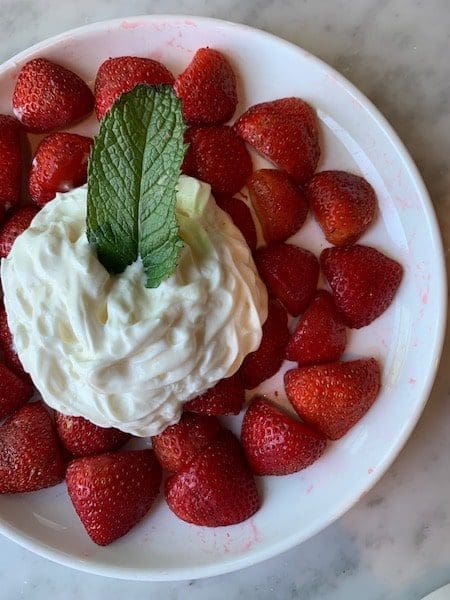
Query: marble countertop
x=395, y=543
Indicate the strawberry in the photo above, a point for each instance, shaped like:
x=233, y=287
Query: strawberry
x=30, y=455
x=216, y=155
x=343, y=204
x=10, y=357
x=82, y=438
x=320, y=335
x=14, y=392
x=265, y=362
x=285, y=131
x=112, y=492
x=241, y=217
x=11, y=162
x=48, y=96
x=178, y=444
x=333, y=397
x=226, y=398
x=363, y=282
x=217, y=488
x=275, y=443
x=15, y=225
x=279, y=203
x=119, y=75
x=207, y=88
x=59, y=165
x=290, y=273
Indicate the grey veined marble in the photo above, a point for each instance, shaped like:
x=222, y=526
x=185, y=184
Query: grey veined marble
x=395, y=543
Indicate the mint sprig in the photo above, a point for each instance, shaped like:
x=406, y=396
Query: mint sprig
x=134, y=168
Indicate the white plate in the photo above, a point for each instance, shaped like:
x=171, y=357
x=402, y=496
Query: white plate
x=407, y=338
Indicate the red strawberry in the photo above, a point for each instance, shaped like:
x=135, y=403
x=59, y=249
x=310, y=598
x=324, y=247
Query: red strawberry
x=226, y=398
x=207, y=89
x=16, y=225
x=333, y=397
x=290, y=273
x=112, y=492
x=10, y=357
x=47, y=96
x=119, y=75
x=14, y=392
x=285, y=131
x=344, y=205
x=30, y=455
x=275, y=443
x=82, y=438
x=363, y=282
x=10, y=162
x=217, y=488
x=216, y=155
x=241, y=217
x=279, y=203
x=320, y=335
x=59, y=165
x=178, y=444
x=265, y=362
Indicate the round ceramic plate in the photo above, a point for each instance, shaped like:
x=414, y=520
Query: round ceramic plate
x=407, y=339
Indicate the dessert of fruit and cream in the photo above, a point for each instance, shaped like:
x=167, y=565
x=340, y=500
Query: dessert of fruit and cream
x=109, y=349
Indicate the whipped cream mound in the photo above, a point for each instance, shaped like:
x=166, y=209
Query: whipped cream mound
x=107, y=348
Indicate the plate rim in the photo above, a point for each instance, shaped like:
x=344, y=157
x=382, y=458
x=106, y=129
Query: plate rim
x=262, y=554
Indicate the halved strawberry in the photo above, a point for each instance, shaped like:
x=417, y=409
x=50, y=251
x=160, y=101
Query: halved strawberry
x=121, y=74
x=11, y=163
x=333, y=397
x=290, y=273
x=320, y=335
x=59, y=165
x=82, y=438
x=279, y=203
x=285, y=131
x=30, y=455
x=241, y=216
x=112, y=492
x=217, y=488
x=10, y=357
x=275, y=443
x=216, y=155
x=225, y=398
x=265, y=362
x=363, y=282
x=207, y=88
x=15, y=225
x=48, y=96
x=14, y=392
x=178, y=444
x=344, y=205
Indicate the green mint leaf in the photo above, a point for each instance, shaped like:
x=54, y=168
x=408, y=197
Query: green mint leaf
x=133, y=171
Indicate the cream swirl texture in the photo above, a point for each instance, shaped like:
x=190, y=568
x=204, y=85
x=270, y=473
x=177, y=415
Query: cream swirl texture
x=105, y=347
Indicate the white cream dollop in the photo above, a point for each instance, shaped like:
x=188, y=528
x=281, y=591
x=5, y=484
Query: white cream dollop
x=107, y=348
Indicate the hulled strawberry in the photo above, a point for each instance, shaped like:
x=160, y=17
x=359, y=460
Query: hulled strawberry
x=285, y=131
x=216, y=488
x=363, y=282
x=320, y=335
x=10, y=357
x=48, y=96
x=332, y=398
x=121, y=74
x=227, y=397
x=279, y=203
x=112, y=492
x=207, y=88
x=11, y=163
x=241, y=216
x=14, y=391
x=275, y=443
x=290, y=273
x=344, y=204
x=30, y=455
x=14, y=226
